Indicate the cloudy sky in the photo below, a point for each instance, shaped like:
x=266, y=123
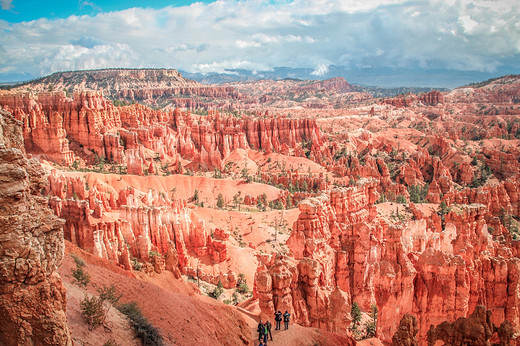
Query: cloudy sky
x=396, y=41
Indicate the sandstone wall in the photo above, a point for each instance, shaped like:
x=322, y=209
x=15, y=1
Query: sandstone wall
x=32, y=297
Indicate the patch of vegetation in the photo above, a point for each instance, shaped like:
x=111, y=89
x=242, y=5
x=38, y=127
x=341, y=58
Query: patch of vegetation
x=242, y=284
x=144, y=330
x=152, y=254
x=217, y=174
x=443, y=210
x=80, y=275
x=92, y=310
x=136, y=265
x=220, y=201
x=418, y=193
x=218, y=291
x=371, y=326
x=401, y=199
x=92, y=307
x=485, y=173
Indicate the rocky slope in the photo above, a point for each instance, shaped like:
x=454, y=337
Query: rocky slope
x=32, y=297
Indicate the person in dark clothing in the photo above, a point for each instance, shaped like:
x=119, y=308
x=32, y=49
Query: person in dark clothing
x=278, y=319
x=286, y=317
x=269, y=326
x=260, y=330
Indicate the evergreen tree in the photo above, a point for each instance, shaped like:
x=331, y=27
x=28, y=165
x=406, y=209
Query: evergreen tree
x=355, y=314
x=220, y=201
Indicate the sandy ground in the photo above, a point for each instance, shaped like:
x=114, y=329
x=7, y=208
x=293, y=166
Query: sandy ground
x=251, y=233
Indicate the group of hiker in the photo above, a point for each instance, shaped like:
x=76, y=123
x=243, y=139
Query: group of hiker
x=264, y=329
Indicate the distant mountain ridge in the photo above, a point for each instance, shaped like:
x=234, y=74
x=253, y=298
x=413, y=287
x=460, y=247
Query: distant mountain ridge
x=154, y=87
x=159, y=87
x=110, y=79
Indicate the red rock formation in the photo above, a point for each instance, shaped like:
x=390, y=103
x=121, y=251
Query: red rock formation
x=399, y=102
x=32, y=297
x=341, y=249
x=405, y=334
x=336, y=83
x=134, y=134
x=307, y=285
x=502, y=164
x=496, y=197
x=434, y=193
x=476, y=329
x=133, y=224
x=432, y=98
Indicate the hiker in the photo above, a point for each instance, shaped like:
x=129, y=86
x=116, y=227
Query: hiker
x=286, y=317
x=269, y=326
x=260, y=330
x=266, y=331
x=278, y=319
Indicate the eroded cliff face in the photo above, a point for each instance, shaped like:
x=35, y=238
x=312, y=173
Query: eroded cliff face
x=88, y=128
x=343, y=252
x=32, y=296
x=128, y=223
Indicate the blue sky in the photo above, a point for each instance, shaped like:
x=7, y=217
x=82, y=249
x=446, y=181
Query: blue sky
x=26, y=10
x=387, y=42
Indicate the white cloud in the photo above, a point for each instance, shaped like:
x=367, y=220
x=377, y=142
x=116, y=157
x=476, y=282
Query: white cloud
x=260, y=35
x=468, y=24
x=224, y=66
x=247, y=44
x=6, y=4
x=320, y=70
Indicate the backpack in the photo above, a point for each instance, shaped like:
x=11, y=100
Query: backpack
x=286, y=317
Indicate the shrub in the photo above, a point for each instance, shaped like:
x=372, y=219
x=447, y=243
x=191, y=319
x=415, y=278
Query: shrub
x=218, y=290
x=110, y=342
x=92, y=310
x=418, y=193
x=144, y=330
x=136, y=264
x=79, y=261
x=242, y=288
x=110, y=294
x=80, y=275
x=443, y=210
x=152, y=254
